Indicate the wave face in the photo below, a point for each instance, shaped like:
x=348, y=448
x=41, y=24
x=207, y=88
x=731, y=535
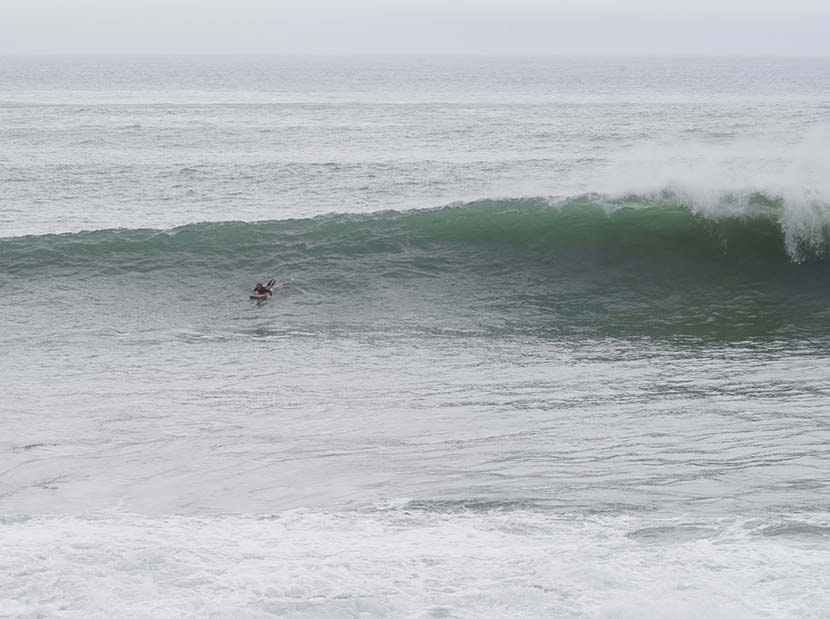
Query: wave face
x=759, y=228
x=645, y=264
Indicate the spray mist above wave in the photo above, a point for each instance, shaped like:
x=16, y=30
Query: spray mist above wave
x=732, y=174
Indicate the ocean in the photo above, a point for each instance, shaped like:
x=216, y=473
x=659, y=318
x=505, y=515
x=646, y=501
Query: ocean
x=550, y=338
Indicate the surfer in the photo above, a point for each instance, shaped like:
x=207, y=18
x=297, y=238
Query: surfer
x=261, y=290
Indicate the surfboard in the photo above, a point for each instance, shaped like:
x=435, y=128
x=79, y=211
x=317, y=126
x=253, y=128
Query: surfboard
x=259, y=297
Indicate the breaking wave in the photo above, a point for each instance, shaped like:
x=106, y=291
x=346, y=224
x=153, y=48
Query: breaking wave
x=752, y=227
x=633, y=265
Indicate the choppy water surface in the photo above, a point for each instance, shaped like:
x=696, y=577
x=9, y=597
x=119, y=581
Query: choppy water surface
x=588, y=376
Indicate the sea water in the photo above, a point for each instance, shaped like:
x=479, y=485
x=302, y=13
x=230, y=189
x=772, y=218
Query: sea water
x=550, y=337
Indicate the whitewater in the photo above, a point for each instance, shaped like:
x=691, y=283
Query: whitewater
x=550, y=337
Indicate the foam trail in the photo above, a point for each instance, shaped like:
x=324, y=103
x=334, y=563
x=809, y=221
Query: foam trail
x=412, y=564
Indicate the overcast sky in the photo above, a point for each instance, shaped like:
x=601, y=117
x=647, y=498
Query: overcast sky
x=743, y=27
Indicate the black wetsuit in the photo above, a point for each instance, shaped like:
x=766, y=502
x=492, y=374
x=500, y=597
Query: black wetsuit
x=266, y=289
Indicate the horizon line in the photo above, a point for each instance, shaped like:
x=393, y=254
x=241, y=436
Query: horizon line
x=402, y=55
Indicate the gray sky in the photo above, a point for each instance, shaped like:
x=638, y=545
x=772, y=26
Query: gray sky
x=745, y=27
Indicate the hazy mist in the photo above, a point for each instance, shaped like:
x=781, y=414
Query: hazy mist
x=762, y=27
